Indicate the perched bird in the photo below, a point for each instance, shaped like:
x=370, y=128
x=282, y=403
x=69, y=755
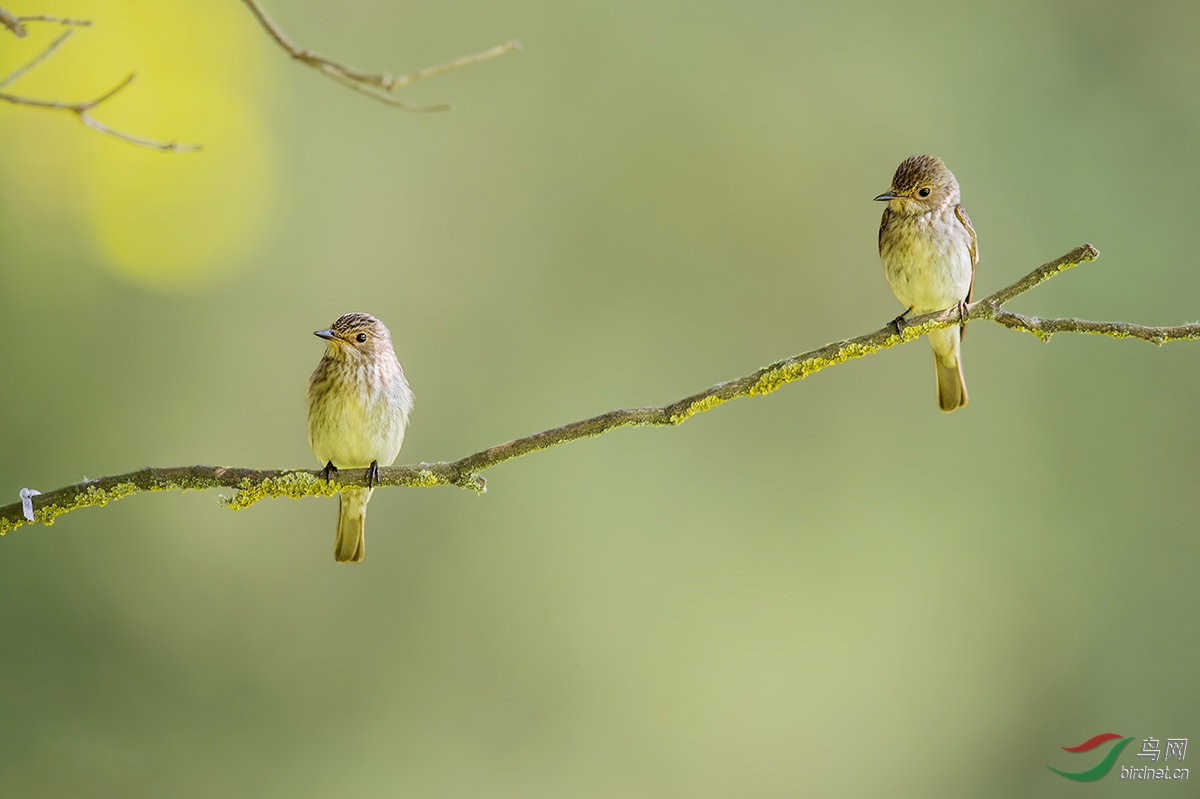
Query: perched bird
x=928, y=249
x=358, y=407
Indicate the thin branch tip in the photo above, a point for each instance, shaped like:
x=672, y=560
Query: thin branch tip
x=108, y=95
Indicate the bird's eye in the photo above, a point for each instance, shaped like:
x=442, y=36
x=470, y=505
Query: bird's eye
x=361, y=337
x=924, y=192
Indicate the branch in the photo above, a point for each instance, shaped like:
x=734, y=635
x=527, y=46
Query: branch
x=252, y=485
x=376, y=86
x=16, y=24
x=39, y=58
x=82, y=110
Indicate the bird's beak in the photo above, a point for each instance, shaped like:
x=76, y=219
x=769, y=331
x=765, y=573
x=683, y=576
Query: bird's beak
x=887, y=195
x=326, y=334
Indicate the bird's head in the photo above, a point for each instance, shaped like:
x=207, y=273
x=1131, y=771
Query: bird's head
x=922, y=183
x=356, y=335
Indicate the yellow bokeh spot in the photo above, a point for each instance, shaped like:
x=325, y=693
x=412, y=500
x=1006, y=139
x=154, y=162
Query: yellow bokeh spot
x=204, y=72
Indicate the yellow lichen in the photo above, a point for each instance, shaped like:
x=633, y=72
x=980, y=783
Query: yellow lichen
x=94, y=496
x=425, y=478
x=786, y=373
x=699, y=406
x=289, y=484
x=798, y=370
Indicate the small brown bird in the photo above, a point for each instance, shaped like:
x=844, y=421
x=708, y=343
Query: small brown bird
x=358, y=407
x=929, y=254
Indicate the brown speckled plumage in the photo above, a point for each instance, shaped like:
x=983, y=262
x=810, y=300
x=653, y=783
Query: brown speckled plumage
x=929, y=252
x=358, y=408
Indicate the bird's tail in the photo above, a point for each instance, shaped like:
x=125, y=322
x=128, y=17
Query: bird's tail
x=352, y=520
x=952, y=390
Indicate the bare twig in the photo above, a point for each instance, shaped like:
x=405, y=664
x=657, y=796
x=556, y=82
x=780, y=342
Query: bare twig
x=15, y=23
x=381, y=96
x=373, y=85
x=376, y=86
x=82, y=110
x=39, y=58
x=84, y=23
x=252, y=485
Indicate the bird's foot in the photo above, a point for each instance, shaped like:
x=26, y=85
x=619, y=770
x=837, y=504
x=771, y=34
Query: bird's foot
x=899, y=323
x=373, y=474
x=329, y=471
x=962, y=312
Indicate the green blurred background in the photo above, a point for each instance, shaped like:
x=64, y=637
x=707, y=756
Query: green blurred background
x=834, y=590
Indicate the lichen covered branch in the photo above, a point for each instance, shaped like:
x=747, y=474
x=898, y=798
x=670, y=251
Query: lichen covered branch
x=378, y=85
x=252, y=485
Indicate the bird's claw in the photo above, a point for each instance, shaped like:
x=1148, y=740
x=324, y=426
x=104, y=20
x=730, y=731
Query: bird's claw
x=899, y=323
x=373, y=474
x=329, y=471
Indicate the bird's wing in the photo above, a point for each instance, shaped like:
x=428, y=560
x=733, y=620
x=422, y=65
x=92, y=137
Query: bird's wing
x=961, y=214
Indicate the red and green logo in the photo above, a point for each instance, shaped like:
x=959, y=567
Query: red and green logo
x=1104, y=766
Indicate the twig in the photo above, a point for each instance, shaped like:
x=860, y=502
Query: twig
x=14, y=23
x=42, y=56
x=85, y=23
x=252, y=485
x=82, y=111
x=381, y=96
x=373, y=85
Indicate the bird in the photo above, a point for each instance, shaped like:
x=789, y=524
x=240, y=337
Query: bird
x=929, y=251
x=358, y=408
